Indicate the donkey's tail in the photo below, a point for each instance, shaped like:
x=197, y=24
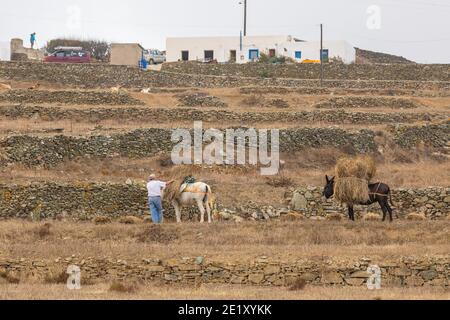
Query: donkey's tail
x=392, y=202
x=390, y=198
x=208, y=193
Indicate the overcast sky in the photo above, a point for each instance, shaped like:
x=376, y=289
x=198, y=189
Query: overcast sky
x=416, y=29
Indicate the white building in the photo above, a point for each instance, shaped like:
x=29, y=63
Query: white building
x=233, y=49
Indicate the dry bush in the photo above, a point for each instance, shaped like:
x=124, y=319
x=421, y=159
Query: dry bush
x=254, y=101
x=279, y=103
x=402, y=156
x=334, y=217
x=43, y=231
x=166, y=161
x=56, y=277
x=416, y=217
x=101, y=220
x=156, y=233
x=370, y=216
x=280, y=181
x=130, y=220
x=124, y=287
x=9, y=277
x=293, y=216
x=298, y=284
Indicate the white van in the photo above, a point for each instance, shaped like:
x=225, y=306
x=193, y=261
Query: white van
x=154, y=56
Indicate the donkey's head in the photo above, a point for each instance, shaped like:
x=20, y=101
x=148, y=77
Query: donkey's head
x=328, y=191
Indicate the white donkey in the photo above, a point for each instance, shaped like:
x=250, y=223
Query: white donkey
x=196, y=193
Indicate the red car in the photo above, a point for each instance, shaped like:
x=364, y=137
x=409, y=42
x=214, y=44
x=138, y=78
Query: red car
x=69, y=55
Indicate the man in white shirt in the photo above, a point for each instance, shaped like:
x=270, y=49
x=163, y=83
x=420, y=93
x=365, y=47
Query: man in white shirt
x=155, y=188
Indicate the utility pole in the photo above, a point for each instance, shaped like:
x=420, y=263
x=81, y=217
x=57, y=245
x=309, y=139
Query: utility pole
x=321, y=55
x=245, y=18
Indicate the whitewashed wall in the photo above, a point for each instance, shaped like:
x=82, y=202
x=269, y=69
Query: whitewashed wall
x=284, y=46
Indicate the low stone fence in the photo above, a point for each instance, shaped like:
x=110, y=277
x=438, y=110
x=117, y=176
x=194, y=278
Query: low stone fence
x=395, y=272
x=436, y=135
x=434, y=202
x=417, y=72
x=50, y=151
x=106, y=76
x=368, y=102
x=160, y=115
x=342, y=91
x=69, y=97
x=88, y=200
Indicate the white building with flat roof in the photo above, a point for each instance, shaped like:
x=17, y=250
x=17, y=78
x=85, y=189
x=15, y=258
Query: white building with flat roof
x=249, y=48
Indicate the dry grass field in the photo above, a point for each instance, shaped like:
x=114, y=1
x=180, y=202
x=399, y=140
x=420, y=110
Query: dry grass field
x=214, y=292
x=228, y=242
x=224, y=241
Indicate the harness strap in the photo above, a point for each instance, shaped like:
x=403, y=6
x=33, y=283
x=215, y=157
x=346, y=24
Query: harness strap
x=378, y=194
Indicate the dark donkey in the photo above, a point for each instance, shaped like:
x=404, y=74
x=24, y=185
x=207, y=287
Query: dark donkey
x=378, y=192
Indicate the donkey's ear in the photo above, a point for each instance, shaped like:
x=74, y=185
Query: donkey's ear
x=328, y=179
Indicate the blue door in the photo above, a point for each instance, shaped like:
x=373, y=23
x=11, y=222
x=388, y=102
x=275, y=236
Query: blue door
x=253, y=54
x=325, y=55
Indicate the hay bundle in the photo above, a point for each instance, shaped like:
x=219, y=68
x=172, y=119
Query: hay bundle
x=178, y=174
x=416, y=217
x=172, y=191
x=370, y=216
x=362, y=167
x=352, y=178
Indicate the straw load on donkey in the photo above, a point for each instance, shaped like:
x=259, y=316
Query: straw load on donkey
x=189, y=192
x=351, y=185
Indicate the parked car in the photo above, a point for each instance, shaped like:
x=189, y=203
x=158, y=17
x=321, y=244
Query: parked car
x=69, y=55
x=154, y=56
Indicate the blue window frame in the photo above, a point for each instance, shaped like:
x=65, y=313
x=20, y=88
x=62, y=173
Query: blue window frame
x=298, y=54
x=253, y=54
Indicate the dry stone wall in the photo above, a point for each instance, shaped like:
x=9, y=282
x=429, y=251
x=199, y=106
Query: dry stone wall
x=408, y=271
x=159, y=115
x=420, y=72
x=50, y=151
x=82, y=201
x=68, y=97
x=106, y=76
x=367, y=102
x=436, y=135
x=342, y=91
x=434, y=202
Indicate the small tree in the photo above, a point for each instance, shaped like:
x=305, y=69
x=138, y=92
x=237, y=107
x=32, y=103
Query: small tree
x=99, y=50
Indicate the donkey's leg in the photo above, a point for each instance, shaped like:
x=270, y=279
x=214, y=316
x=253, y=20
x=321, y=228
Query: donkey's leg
x=389, y=209
x=383, y=208
x=176, y=206
x=208, y=211
x=351, y=214
x=202, y=210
